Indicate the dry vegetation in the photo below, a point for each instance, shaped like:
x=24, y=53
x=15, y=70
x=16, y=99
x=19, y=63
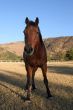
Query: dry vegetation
x=12, y=82
x=53, y=45
x=15, y=47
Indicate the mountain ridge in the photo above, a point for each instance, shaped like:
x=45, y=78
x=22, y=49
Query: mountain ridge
x=53, y=45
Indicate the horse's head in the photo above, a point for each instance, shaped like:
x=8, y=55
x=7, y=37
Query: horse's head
x=32, y=36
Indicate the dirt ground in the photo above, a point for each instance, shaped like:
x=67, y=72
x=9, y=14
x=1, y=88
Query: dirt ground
x=13, y=80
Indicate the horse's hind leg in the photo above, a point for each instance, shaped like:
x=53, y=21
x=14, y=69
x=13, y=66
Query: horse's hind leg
x=44, y=71
x=33, y=74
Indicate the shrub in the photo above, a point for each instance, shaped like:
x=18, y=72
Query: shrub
x=69, y=54
x=9, y=56
x=48, y=57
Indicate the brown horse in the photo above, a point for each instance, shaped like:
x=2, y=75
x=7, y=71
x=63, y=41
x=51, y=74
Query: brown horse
x=34, y=55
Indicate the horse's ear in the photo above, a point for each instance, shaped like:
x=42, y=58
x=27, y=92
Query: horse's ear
x=26, y=20
x=37, y=21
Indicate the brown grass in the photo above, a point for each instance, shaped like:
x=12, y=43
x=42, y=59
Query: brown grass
x=13, y=79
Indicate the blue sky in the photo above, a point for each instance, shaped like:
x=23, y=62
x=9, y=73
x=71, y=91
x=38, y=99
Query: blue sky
x=56, y=18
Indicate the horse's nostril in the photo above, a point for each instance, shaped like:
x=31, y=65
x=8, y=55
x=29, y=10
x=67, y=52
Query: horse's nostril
x=28, y=49
x=31, y=49
x=25, y=49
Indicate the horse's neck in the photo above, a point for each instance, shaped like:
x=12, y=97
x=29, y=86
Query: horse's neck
x=40, y=46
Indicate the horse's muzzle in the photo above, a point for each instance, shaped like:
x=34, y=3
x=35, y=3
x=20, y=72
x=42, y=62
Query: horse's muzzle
x=28, y=50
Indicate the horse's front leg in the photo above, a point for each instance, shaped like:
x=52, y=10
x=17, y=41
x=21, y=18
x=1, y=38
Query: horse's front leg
x=29, y=70
x=33, y=74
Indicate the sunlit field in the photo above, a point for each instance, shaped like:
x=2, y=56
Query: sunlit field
x=13, y=80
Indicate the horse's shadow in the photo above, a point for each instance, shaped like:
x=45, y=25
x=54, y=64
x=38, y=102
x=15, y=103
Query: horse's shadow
x=61, y=70
x=17, y=80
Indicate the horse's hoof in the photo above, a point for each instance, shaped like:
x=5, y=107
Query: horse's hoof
x=26, y=87
x=28, y=99
x=23, y=98
x=33, y=88
x=49, y=96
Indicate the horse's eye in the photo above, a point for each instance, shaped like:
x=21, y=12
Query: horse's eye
x=37, y=32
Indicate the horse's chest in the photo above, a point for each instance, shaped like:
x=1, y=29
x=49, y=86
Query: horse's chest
x=35, y=60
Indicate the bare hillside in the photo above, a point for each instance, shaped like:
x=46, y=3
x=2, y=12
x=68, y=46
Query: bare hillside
x=60, y=43
x=53, y=45
x=15, y=47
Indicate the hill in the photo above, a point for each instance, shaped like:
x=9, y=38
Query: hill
x=54, y=46
x=58, y=46
x=6, y=55
x=59, y=43
x=14, y=47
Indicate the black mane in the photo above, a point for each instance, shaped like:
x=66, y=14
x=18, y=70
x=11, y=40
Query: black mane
x=40, y=36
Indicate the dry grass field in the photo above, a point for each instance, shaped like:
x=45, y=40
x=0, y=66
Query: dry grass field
x=13, y=80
